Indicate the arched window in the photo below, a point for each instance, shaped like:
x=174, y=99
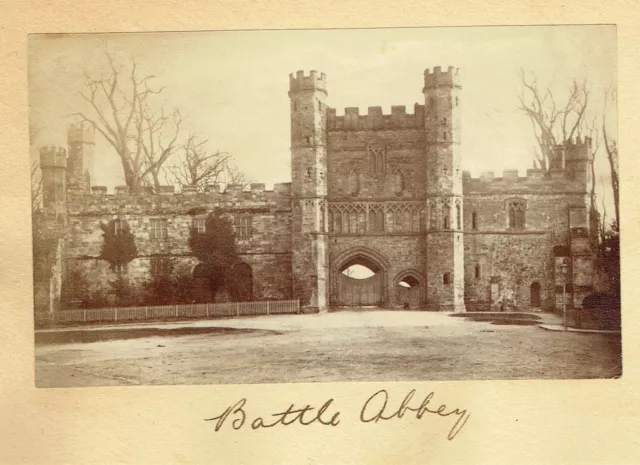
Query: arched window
x=376, y=160
x=516, y=212
x=445, y=221
x=380, y=162
x=477, y=271
x=474, y=220
x=354, y=186
x=458, y=216
x=446, y=278
x=535, y=294
x=398, y=183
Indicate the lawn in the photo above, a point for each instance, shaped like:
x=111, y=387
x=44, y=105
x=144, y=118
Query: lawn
x=342, y=346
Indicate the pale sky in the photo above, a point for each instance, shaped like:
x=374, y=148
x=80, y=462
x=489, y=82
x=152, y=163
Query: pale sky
x=232, y=86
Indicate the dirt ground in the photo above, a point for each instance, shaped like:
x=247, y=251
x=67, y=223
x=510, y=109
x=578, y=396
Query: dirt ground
x=341, y=346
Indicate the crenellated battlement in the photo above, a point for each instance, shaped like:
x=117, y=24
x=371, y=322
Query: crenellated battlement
x=315, y=81
x=375, y=119
x=81, y=132
x=535, y=181
x=100, y=201
x=53, y=157
x=439, y=78
x=578, y=149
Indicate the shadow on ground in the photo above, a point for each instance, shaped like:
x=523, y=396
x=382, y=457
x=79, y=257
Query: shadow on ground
x=520, y=319
x=80, y=336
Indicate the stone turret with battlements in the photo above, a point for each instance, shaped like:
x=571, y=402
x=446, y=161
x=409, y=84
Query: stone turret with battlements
x=445, y=248
x=309, y=187
x=53, y=163
x=80, y=165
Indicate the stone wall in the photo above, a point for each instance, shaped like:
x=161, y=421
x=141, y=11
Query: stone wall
x=267, y=251
x=514, y=259
x=349, y=153
x=350, y=174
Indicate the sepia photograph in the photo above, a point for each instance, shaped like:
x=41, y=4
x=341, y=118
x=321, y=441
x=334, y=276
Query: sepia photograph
x=300, y=206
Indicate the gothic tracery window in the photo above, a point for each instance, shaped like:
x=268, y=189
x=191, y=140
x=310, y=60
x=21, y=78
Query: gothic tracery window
x=516, y=211
x=376, y=160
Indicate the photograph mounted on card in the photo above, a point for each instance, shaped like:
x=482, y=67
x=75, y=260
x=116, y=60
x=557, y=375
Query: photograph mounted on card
x=248, y=207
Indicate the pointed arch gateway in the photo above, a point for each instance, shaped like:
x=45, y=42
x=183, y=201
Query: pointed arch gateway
x=410, y=289
x=356, y=291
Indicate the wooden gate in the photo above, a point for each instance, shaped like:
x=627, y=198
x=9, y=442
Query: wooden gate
x=354, y=292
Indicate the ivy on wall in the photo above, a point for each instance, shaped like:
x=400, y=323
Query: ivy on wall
x=119, y=246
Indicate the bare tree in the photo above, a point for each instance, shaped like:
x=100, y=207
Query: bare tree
x=611, y=149
x=591, y=131
x=117, y=102
x=198, y=167
x=233, y=175
x=552, y=124
x=36, y=187
x=603, y=212
x=159, y=142
x=36, y=174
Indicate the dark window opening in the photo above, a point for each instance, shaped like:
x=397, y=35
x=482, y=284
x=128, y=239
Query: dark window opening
x=516, y=210
x=474, y=220
x=477, y=273
x=158, y=228
x=199, y=224
x=117, y=226
x=446, y=279
x=242, y=227
x=160, y=266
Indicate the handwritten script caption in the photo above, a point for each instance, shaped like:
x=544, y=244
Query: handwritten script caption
x=375, y=409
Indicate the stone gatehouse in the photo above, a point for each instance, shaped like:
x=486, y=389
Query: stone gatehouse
x=386, y=191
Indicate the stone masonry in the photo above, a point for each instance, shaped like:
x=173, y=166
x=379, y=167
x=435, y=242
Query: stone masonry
x=386, y=191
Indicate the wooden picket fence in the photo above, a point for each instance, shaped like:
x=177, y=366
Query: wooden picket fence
x=178, y=311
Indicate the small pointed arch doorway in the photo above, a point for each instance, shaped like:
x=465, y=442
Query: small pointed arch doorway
x=239, y=281
x=409, y=287
x=535, y=300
